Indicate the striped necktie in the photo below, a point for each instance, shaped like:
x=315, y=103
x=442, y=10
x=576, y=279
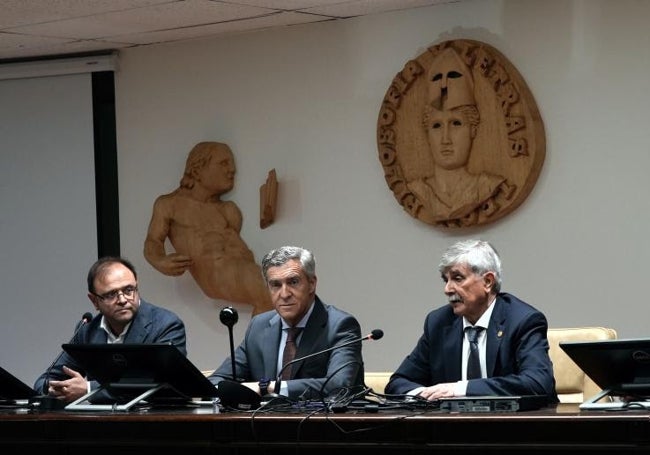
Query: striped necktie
x=473, y=362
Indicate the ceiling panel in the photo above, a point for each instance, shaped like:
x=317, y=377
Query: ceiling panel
x=31, y=29
x=203, y=31
x=23, y=12
x=153, y=18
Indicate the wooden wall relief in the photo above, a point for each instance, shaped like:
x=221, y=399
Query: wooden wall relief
x=204, y=231
x=460, y=137
x=268, y=199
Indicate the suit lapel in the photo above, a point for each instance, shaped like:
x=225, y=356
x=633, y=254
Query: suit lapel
x=270, y=342
x=454, y=345
x=495, y=335
x=140, y=325
x=313, y=330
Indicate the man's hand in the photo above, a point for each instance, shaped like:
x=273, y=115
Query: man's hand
x=69, y=389
x=444, y=390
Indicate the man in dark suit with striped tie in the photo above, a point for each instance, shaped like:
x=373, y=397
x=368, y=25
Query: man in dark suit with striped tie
x=484, y=342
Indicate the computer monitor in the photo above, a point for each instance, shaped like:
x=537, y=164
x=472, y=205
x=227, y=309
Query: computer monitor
x=13, y=389
x=621, y=368
x=136, y=373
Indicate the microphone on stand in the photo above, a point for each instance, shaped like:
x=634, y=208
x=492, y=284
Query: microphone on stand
x=234, y=394
x=376, y=334
x=229, y=317
x=46, y=401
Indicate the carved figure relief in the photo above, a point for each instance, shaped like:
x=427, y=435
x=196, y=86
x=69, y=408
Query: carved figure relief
x=268, y=200
x=204, y=231
x=459, y=136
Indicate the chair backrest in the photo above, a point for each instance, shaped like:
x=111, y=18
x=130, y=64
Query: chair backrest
x=377, y=380
x=571, y=383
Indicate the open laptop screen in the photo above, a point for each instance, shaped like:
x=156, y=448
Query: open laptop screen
x=620, y=366
x=127, y=369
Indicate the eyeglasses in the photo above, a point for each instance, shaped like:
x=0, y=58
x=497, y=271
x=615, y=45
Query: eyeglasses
x=112, y=296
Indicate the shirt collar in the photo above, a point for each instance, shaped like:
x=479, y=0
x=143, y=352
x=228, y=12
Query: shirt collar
x=303, y=322
x=484, y=320
x=109, y=333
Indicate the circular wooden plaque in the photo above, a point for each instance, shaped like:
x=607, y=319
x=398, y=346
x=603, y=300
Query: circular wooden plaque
x=460, y=137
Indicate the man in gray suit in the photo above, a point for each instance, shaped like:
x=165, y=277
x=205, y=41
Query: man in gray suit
x=123, y=318
x=290, y=274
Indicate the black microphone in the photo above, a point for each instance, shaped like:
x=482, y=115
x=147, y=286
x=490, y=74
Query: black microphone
x=46, y=401
x=376, y=334
x=229, y=317
x=85, y=319
x=233, y=393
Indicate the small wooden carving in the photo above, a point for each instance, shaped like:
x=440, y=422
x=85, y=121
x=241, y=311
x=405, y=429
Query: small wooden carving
x=459, y=135
x=204, y=231
x=268, y=200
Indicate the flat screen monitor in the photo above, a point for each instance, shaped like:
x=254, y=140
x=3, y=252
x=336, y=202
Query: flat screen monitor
x=158, y=372
x=621, y=368
x=12, y=388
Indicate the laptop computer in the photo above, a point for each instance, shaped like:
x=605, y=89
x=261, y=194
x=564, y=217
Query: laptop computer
x=13, y=389
x=137, y=373
x=621, y=368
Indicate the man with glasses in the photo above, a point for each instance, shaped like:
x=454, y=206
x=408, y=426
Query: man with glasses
x=123, y=318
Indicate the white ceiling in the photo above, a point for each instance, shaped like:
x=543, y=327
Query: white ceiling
x=41, y=28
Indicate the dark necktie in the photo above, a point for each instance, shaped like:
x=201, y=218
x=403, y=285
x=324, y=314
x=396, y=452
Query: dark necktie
x=290, y=350
x=473, y=362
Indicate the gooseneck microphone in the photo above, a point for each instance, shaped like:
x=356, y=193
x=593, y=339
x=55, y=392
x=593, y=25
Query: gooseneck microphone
x=46, y=401
x=85, y=319
x=229, y=317
x=376, y=334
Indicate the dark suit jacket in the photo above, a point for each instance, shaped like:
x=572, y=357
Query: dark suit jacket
x=151, y=324
x=516, y=353
x=257, y=355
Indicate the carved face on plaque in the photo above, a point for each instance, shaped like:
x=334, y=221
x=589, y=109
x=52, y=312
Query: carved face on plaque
x=450, y=136
x=449, y=129
x=460, y=138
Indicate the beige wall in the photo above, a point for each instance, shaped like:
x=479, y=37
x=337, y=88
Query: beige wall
x=305, y=100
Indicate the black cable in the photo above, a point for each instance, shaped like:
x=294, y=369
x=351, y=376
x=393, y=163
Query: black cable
x=300, y=424
x=327, y=380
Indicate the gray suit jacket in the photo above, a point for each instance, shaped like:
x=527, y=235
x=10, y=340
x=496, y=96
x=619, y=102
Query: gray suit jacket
x=151, y=324
x=257, y=355
x=516, y=353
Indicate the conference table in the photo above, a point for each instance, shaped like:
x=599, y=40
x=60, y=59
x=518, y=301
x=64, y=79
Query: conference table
x=208, y=429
